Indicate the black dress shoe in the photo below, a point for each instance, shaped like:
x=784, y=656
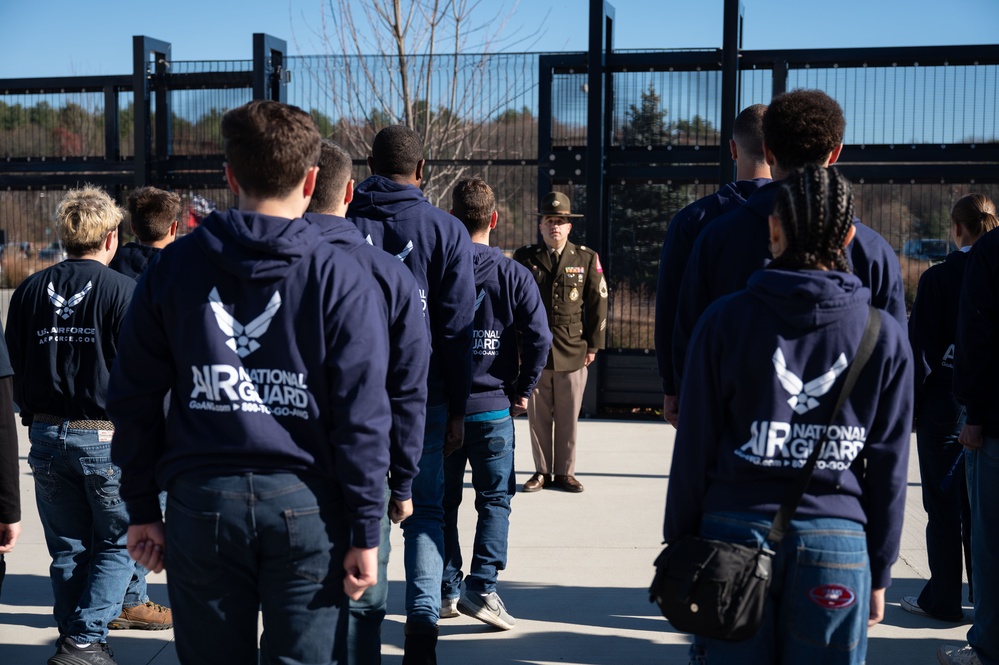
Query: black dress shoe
x=536, y=482
x=568, y=484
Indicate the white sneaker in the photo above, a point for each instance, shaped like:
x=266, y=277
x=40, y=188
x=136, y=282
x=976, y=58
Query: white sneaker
x=949, y=654
x=449, y=608
x=486, y=607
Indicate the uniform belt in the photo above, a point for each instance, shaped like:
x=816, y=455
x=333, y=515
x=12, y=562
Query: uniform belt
x=565, y=319
x=48, y=419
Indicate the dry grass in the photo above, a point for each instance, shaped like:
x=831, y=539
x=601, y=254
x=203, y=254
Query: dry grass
x=17, y=268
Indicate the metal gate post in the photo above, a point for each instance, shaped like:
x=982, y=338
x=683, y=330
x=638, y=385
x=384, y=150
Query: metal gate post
x=141, y=86
x=731, y=46
x=269, y=73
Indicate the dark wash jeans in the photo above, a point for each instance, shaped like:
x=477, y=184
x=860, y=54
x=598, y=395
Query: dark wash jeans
x=945, y=500
x=488, y=448
x=269, y=543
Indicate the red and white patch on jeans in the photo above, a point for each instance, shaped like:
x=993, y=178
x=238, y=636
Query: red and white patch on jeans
x=832, y=596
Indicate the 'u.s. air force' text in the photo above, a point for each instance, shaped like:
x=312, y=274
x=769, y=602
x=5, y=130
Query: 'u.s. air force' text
x=783, y=444
x=225, y=389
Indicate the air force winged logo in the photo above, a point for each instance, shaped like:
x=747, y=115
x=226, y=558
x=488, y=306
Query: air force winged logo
x=479, y=298
x=64, y=307
x=243, y=338
x=401, y=255
x=803, y=395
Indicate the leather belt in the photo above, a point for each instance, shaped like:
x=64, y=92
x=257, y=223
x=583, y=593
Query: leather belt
x=48, y=419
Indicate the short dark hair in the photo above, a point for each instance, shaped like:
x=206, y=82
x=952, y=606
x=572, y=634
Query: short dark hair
x=335, y=167
x=815, y=209
x=269, y=146
x=747, y=131
x=153, y=211
x=474, y=203
x=396, y=151
x=802, y=127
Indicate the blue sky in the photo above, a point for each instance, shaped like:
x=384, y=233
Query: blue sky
x=70, y=37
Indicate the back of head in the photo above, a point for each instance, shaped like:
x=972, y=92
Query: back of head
x=84, y=218
x=815, y=209
x=396, y=151
x=473, y=202
x=747, y=132
x=976, y=213
x=270, y=147
x=802, y=127
x=153, y=212
x=335, y=168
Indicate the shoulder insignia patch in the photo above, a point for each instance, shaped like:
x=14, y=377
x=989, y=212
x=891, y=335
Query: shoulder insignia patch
x=603, y=287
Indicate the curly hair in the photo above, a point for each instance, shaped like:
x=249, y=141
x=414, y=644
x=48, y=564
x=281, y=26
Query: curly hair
x=802, y=127
x=815, y=209
x=396, y=150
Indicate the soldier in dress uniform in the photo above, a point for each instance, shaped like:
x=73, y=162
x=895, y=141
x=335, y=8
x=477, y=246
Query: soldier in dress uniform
x=574, y=292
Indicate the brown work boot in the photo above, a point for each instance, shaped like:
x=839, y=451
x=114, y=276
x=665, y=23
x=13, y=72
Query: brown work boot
x=150, y=616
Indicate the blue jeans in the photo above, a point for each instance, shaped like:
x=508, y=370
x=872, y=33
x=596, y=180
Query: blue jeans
x=489, y=449
x=423, y=531
x=982, y=467
x=819, y=598
x=240, y=544
x=945, y=500
x=364, y=627
x=85, y=525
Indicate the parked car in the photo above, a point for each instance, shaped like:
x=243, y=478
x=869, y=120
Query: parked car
x=55, y=252
x=933, y=250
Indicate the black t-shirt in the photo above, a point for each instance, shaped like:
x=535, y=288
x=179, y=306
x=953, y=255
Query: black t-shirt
x=62, y=332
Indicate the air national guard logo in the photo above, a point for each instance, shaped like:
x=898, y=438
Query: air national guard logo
x=243, y=338
x=803, y=395
x=64, y=307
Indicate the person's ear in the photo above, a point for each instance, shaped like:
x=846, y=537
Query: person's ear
x=230, y=178
x=419, y=170
x=348, y=192
x=371, y=165
x=733, y=148
x=111, y=240
x=834, y=155
x=492, y=220
x=850, y=235
x=777, y=241
x=173, y=229
x=309, y=185
x=768, y=155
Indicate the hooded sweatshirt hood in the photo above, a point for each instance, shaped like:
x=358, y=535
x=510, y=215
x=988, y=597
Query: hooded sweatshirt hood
x=256, y=247
x=484, y=261
x=808, y=299
x=379, y=197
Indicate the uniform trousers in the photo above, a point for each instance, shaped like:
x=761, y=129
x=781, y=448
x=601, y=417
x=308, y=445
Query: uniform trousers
x=553, y=411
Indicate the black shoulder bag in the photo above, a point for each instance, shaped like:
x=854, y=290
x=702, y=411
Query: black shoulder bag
x=718, y=590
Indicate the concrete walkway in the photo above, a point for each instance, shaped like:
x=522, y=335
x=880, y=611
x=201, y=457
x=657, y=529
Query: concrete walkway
x=579, y=567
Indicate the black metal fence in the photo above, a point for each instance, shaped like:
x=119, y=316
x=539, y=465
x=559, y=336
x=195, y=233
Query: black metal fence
x=921, y=132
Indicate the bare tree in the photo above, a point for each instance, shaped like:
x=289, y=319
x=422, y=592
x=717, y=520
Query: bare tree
x=408, y=62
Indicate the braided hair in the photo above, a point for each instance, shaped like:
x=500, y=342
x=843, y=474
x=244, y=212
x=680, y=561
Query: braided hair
x=815, y=208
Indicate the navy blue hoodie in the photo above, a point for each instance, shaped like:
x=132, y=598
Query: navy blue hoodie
x=932, y=326
x=753, y=405
x=409, y=347
x=132, y=258
x=737, y=244
x=436, y=248
x=976, y=360
x=681, y=233
x=273, y=345
x=508, y=307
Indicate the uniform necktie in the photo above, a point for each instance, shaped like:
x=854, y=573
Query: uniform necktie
x=555, y=258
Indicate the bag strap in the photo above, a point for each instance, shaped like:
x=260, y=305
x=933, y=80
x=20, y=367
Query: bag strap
x=782, y=520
